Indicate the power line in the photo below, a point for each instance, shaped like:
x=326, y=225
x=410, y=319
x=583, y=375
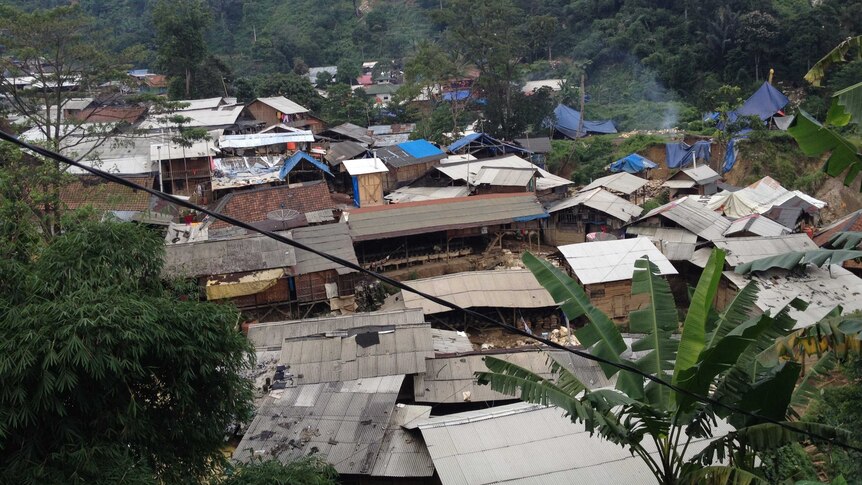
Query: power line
x=335, y=259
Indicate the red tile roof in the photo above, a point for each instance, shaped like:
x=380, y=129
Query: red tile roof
x=253, y=205
x=104, y=195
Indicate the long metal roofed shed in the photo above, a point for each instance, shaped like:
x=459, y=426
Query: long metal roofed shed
x=494, y=289
x=623, y=182
x=342, y=422
x=440, y=215
x=349, y=131
x=264, y=139
x=272, y=335
x=529, y=444
x=215, y=257
x=607, y=261
x=343, y=150
x=283, y=105
x=675, y=243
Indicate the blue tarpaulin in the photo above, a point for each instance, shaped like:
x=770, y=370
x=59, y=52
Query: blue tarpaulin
x=681, y=154
x=293, y=161
x=633, y=163
x=678, y=154
x=420, y=149
x=459, y=95
x=568, y=120
x=355, y=191
x=764, y=103
x=484, y=141
x=731, y=154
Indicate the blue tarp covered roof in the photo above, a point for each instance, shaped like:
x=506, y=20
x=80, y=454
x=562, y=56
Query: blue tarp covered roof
x=568, y=120
x=484, y=141
x=292, y=162
x=764, y=103
x=459, y=95
x=633, y=163
x=421, y=149
x=680, y=154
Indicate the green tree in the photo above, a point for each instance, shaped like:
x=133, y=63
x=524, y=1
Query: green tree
x=723, y=355
x=310, y=470
x=344, y=105
x=109, y=374
x=180, y=38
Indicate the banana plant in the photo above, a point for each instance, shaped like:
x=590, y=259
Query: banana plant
x=723, y=355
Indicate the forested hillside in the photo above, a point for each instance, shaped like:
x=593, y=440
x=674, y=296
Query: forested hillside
x=685, y=46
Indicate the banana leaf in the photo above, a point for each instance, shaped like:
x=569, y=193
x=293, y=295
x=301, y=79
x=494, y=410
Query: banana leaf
x=657, y=322
x=791, y=260
x=850, y=100
x=601, y=336
x=815, y=139
x=845, y=240
x=837, y=55
x=721, y=475
x=807, y=389
x=693, y=338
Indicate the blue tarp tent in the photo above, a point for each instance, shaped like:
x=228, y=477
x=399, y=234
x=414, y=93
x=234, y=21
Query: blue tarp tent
x=764, y=103
x=293, y=161
x=459, y=95
x=481, y=141
x=633, y=163
x=568, y=120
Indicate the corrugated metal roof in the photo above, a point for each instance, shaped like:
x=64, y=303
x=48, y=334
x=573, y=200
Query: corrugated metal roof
x=850, y=222
x=224, y=256
x=121, y=155
x=199, y=118
x=283, y=105
x=530, y=444
x=343, y=422
x=468, y=170
x=679, y=184
x=333, y=239
x=403, y=452
x=272, y=335
x=600, y=200
x=343, y=150
x=452, y=379
x=505, y=177
x=757, y=225
x=746, y=249
x=418, y=194
x=541, y=144
x=450, y=341
x=400, y=156
x=398, y=350
x=206, y=103
x=264, y=139
x=822, y=288
x=495, y=288
x=702, y=174
x=675, y=243
x=622, y=182
x=363, y=166
x=605, y=261
x=440, y=215
x=355, y=132
x=688, y=213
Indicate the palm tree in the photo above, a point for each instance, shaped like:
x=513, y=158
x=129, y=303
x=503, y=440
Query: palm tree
x=728, y=356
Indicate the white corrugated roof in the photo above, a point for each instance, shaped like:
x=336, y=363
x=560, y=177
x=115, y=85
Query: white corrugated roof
x=605, y=261
x=692, y=215
x=742, y=250
x=283, y=105
x=469, y=170
x=600, y=200
x=676, y=243
x=505, y=176
x=362, y=166
x=756, y=224
x=622, y=182
x=417, y=194
x=264, y=139
x=528, y=444
x=701, y=174
x=199, y=118
x=822, y=288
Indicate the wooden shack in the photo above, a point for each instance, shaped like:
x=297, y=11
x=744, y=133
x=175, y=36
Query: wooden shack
x=280, y=110
x=368, y=175
x=700, y=180
x=596, y=210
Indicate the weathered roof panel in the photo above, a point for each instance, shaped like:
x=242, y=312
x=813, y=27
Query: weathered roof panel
x=600, y=200
x=225, y=256
x=403, y=452
x=622, y=182
x=439, y=215
x=742, y=250
x=467, y=170
x=333, y=239
x=418, y=194
x=606, y=261
x=688, y=213
x=757, y=225
x=283, y=105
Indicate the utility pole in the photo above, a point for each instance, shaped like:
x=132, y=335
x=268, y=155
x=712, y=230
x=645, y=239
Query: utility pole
x=583, y=101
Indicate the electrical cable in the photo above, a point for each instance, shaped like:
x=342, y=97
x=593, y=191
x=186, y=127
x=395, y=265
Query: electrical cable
x=335, y=259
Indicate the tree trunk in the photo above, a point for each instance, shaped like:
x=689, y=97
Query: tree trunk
x=188, y=82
